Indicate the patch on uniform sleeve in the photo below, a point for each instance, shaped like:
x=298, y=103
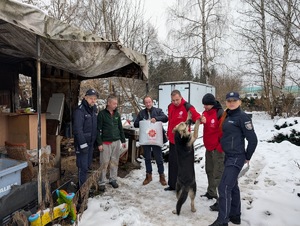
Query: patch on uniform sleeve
x=249, y=125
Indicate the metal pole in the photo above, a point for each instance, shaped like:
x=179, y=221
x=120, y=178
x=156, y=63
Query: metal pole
x=70, y=105
x=38, y=73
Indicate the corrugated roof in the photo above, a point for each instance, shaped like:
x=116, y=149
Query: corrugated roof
x=62, y=45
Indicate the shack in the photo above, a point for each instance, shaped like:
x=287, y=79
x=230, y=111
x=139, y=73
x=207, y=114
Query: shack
x=65, y=55
x=56, y=57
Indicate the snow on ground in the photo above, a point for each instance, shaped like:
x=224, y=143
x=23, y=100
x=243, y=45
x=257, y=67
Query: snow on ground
x=268, y=190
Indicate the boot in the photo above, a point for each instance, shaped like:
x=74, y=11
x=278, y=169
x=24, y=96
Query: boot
x=148, y=179
x=162, y=179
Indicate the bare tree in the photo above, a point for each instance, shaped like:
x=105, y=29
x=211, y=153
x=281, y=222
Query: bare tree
x=198, y=25
x=259, y=47
x=267, y=37
x=284, y=14
x=225, y=83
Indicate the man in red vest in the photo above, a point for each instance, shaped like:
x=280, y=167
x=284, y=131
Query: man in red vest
x=177, y=113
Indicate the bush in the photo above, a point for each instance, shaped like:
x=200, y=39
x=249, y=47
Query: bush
x=293, y=136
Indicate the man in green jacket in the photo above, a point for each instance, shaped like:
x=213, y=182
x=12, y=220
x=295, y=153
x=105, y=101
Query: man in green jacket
x=109, y=139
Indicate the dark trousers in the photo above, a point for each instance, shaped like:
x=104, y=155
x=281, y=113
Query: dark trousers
x=172, y=166
x=229, y=192
x=90, y=158
x=214, y=166
x=157, y=155
x=83, y=161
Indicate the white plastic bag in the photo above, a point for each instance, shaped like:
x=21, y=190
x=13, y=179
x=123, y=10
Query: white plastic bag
x=150, y=133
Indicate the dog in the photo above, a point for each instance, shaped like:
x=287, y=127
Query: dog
x=186, y=183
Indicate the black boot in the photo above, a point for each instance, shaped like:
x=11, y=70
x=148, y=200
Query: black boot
x=208, y=196
x=235, y=219
x=214, y=207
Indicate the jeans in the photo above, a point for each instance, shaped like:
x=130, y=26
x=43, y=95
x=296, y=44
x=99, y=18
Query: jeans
x=157, y=152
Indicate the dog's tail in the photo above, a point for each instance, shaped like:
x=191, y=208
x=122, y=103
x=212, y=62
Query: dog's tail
x=182, y=198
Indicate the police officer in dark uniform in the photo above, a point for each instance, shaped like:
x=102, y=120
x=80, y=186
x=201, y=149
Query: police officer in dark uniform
x=85, y=133
x=236, y=126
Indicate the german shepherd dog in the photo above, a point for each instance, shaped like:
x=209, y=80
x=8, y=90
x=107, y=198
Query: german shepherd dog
x=186, y=183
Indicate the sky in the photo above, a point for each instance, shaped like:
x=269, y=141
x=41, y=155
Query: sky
x=269, y=189
x=155, y=11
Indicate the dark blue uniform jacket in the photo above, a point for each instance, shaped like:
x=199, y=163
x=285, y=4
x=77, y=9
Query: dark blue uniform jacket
x=236, y=127
x=84, y=125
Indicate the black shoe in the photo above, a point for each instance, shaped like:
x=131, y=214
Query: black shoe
x=217, y=223
x=235, y=219
x=114, y=184
x=102, y=188
x=169, y=189
x=214, y=207
x=209, y=196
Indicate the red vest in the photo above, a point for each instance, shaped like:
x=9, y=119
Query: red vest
x=211, y=131
x=178, y=114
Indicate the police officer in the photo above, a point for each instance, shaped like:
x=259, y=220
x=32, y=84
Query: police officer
x=85, y=133
x=236, y=126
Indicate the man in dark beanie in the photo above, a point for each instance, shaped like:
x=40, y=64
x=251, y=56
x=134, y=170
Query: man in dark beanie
x=214, y=155
x=208, y=99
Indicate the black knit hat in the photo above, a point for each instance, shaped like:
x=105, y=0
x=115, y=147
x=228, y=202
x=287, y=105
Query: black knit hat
x=208, y=99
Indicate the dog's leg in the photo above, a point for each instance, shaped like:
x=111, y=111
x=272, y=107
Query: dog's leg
x=178, y=194
x=195, y=133
x=192, y=197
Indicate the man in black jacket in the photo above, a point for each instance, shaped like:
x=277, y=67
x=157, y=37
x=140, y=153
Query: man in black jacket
x=85, y=133
x=153, y=114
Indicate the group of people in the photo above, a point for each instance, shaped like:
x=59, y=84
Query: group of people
x=104, y=130
x=224, y=134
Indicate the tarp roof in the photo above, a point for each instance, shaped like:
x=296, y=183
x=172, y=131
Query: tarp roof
x=63, y=46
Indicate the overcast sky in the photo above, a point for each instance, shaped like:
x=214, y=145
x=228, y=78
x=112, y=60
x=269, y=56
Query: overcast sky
x=156, y=12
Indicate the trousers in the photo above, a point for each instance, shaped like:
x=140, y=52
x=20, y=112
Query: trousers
x=229, y=192
x=109, y=157
x=157, y=152
x=172, y=166
x=214, y=166
x=83, y=162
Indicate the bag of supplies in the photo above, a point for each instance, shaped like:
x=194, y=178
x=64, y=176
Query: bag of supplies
x=150, y=133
